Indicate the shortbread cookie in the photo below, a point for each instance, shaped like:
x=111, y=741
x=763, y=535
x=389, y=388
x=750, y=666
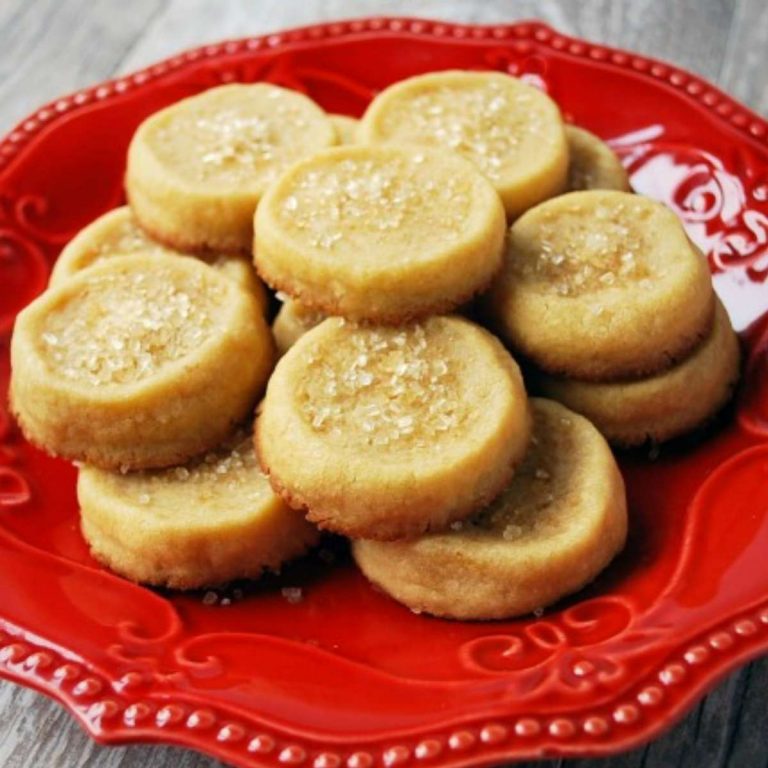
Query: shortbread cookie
x=197, y=169
x=592, y=163
x=663, y=406
x=602, y=285
x=380, y=233
x=560, y=521
x=388, y=432
x=292, y=321
x=346, y=128
x=208, y=522
x=138, y=362
x=511, y=131
x=117, y=233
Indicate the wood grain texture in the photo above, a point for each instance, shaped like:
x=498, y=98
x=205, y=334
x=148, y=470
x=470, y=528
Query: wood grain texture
x=743, y=71
x=688, y=32
x=50, y=47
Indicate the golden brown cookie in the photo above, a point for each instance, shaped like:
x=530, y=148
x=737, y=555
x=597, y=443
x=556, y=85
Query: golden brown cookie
x=197, y=169
x=387, y=432
x=511, y=131
x=592, y=163
x=380, y=233
x=203, y=524
x=138, y=362
x=601, y=285
x=117, y=233
x=559, y=523
x=663, y=406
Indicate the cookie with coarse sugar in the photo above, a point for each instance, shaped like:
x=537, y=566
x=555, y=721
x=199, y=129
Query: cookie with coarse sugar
x=197, y=169
x=138, y=362
x=383, y=432
x=555, y=527
x=601, y=285
x=509, y=130
x=117, y=233
x=380, y=233
x=202, y=524
x=663, y=406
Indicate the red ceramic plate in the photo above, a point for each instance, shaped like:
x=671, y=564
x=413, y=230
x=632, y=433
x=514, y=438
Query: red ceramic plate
x=346, y=677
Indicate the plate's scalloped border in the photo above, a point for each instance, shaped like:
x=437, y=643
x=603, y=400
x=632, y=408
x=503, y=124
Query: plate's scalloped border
x=124, y=711
x=115, y=712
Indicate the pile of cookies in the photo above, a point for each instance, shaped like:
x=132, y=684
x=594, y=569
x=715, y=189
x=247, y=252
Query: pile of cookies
x=613, y=307
x=385, y=419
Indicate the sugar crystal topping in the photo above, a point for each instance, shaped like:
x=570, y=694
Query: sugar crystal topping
x=386, y=386
x=353, y=201
x=231, y=468
x=486, y=121
x=228, y=139
x=233, y=136
x=584, y=249
x=542, y=485
x=124, y=326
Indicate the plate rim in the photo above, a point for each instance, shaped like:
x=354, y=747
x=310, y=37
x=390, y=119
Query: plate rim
x=726, y=109
x=24, y=658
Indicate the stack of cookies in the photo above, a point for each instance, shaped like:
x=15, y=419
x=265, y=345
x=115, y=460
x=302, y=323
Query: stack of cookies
x=146, y=357
x=404, y=429
x=387, y=419
x=605, y=296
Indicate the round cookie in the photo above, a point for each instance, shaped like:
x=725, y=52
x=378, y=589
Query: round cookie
x=559, y=522
x=138, y=362
x=663, y=406
x=380, y=233
x=203, y=524
x=117, y=233
x=346, y=128
x=592, y=163
x=601, y=285
x=197, y=169
x=511, y=131
x=291, y=323
x=384, y=432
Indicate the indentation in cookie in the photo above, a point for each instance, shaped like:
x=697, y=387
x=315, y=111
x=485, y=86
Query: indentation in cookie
x=389, y=385
x=123, y=327
x=481, y=120
x=335, y=202
x=236, y=134
x=586, y=249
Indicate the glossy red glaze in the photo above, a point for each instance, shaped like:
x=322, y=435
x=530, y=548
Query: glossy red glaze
x=347, y=677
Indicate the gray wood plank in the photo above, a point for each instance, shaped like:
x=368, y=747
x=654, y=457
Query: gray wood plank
x=35, y=732
x=744, y=67
x=749, y=743
x=687, y=32
x=51, y=47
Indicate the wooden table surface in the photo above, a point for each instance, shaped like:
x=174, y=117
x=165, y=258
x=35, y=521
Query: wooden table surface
x=51, y=47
